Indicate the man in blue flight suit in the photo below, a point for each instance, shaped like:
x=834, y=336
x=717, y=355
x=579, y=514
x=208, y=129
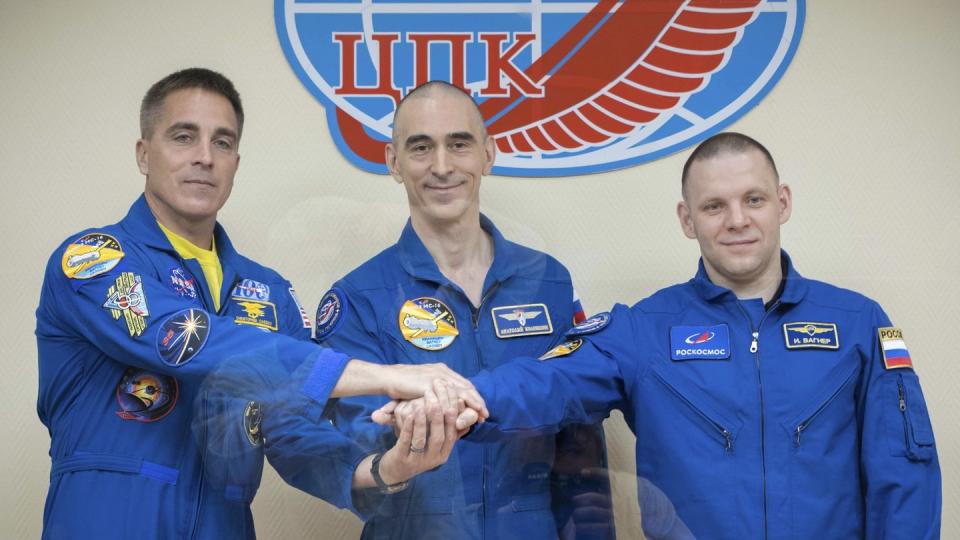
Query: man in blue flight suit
x=453, y=290
x=765, y=404
x=134, y=316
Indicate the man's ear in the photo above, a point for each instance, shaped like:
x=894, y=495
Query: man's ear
x=390, y=157
x=141, y=155
x=686, y=220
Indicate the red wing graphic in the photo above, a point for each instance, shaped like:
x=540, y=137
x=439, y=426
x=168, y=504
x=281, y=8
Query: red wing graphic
x=636, y=61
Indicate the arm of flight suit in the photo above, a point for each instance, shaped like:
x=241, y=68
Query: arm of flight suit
x=307, y=450
x=902, y=484
x=580, y=493
x=133, y=333
x=308, y=454
x=355, y=330
x=541, y=396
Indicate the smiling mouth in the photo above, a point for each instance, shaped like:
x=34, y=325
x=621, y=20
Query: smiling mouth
x=445, y=187
x=738, y=243
x=198, y=182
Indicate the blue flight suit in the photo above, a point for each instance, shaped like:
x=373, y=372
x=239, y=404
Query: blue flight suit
x=127, y=337
x=483, y=491
x=791, y=420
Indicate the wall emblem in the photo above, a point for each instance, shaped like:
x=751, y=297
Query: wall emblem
x=565, y=87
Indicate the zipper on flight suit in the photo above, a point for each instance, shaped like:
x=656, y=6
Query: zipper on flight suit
x=475, y=322
x=902, y=404
x=802, y=425
x=754, y=349
x=717, y=426
x=223, y=307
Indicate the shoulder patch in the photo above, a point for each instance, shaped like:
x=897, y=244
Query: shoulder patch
x=592, y=325
x=126, y=298
x=894, y=349
x=522, y=320
x=427, y=323
x=182, y=335
x=91, y=255
x=811, y=335
x=562, y=349
x=330, y=312
x=303, y=312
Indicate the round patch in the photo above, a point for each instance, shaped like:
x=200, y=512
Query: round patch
x=182, y=335
x=144, y=396
x=562, y=349
x=252, y=417
x=330, y=312
x=593, y=324
x=91, y=255
x=428, y=323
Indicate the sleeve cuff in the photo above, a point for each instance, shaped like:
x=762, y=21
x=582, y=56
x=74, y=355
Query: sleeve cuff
x=324, y=374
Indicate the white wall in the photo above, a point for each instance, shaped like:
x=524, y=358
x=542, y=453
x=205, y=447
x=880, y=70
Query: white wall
x=864, y=126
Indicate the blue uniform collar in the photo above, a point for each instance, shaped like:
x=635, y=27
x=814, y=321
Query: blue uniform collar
x=793, y=288
x=140, y=223
x=417, y=261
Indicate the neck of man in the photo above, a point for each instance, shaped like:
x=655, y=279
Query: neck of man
x=198, y=233
x=763, y=285
x=462, y=250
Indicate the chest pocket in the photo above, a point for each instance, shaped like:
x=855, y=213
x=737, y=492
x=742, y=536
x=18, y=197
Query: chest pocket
x=699, y=410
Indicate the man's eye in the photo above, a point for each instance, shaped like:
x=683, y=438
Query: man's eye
x=182, y=137
x=223, y=144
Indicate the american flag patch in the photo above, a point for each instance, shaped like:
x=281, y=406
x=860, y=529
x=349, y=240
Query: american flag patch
x=895, y=354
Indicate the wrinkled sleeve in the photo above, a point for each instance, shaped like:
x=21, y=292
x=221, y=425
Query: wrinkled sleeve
x=308, y=450
x=535, y=396
x=150, y=313
x=579, y=478
x=902, y=483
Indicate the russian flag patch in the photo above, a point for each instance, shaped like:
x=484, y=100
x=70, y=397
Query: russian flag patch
x=895, y=354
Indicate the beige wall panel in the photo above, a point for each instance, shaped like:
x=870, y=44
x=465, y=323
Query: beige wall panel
x=864, y=125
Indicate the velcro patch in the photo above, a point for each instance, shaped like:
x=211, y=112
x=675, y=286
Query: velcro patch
x=523, y=320
x=330, y=312
x=562, y=349
x=700, y=342
x=427, y=323
x=252, y=290
x=126, y=298
x=259, y=314
x=895, y=353
x=303, y=312
x=182, y=335
x=91, y=255
x=811, y=335
x=590, y=326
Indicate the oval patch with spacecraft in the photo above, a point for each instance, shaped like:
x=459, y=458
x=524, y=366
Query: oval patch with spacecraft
x=91, y=255
x=427, y=323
